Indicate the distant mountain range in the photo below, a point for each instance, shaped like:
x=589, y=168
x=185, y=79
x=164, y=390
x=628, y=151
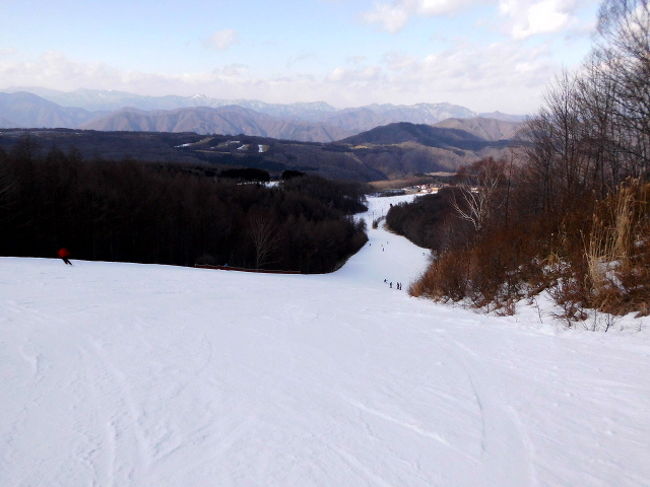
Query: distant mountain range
x=318, y=122
x=229, y=120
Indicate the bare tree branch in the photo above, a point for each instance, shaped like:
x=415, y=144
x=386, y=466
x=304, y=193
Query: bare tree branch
x=478, y=193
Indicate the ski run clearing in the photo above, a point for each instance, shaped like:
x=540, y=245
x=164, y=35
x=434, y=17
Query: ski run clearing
x=145, y=375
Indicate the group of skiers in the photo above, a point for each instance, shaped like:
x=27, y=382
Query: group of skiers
x=398, y=285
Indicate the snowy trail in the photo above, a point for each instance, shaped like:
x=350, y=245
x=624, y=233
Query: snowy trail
x=132, y=375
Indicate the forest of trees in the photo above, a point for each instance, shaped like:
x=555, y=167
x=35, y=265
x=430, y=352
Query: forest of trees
x=428, y=221
x=167, y=214
x=569, y=213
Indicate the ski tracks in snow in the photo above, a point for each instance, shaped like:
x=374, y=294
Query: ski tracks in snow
x=128, y=450
x=139, y=376
x=501, y=427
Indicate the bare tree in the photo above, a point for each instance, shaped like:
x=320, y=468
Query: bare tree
x=263, y=233
x=624, y=62
x=595, y=98
x=476, y=194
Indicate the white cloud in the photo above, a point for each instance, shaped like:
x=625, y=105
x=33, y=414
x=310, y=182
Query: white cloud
x=393, y=16
x=53, y=69
x=531, y=17
x=362, y=76
x=396, y=61
x=440, y=7
x=356, y=60
x=222, y=39
x=523, y=18
x=337, y=74
x=299, y=59
x=505, y=76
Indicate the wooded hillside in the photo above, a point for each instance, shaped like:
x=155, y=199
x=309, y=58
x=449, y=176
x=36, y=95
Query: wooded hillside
x=130, y=211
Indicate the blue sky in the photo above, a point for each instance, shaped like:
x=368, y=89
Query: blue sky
x=484, y=54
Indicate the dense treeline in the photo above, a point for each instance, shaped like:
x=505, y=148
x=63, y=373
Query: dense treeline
x=134, y=212
x=428, y=221
x=342, y=195
x=246, y=174
x=569, y=214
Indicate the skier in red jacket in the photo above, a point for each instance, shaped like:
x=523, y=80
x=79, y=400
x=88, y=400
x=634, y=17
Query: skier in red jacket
x=64, y=253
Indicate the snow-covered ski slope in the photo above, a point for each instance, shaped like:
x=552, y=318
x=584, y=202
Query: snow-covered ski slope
x=142, y=375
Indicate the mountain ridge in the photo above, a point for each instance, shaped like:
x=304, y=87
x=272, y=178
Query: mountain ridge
x=485, y=127
x=226, y=120
x=23, y=109
x=313, y=121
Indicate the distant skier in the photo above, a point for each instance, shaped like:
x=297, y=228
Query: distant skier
x=391, y=284
x=64, y=253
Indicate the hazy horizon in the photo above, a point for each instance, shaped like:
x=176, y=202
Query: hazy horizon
x=486, y=55
x=39, y=91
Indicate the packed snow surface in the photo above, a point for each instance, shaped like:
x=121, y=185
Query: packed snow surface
x=143, y=375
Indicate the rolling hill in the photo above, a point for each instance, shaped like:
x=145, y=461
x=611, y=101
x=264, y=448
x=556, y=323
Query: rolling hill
x=486, y=128
x=389, y=152
x=398, y=133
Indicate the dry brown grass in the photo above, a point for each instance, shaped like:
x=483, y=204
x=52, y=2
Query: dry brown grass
x=447, y=278
x=618, y=251
x=594, y=254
